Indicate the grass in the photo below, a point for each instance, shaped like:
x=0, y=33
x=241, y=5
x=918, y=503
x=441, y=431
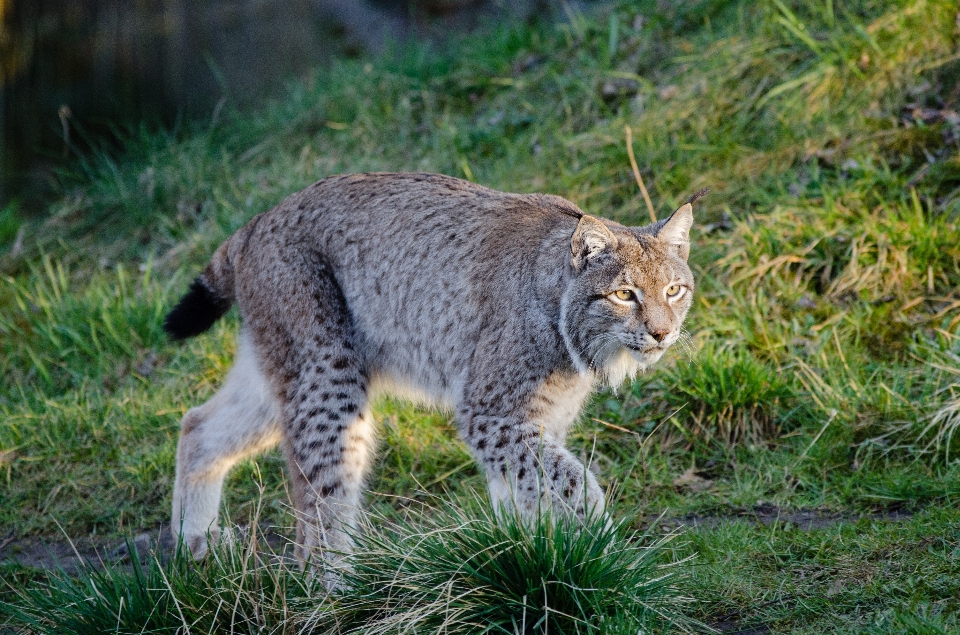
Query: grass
x=231, y=591
x=467, y=571
x=825, y=335
x=456, y=570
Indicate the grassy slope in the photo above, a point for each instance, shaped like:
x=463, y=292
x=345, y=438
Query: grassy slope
x=826, y=322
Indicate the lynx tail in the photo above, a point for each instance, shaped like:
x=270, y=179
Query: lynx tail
x=196, y=312
x=209, y=297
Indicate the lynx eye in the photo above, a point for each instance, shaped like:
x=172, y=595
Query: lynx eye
x=673, y=290
x=624, y=295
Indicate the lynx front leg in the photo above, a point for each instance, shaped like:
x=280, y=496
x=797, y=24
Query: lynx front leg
x=516, y=430
x=534, y=474
x=240, y=420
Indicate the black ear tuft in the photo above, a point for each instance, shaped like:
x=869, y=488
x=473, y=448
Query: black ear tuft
x=195, y=313
x=698, y=195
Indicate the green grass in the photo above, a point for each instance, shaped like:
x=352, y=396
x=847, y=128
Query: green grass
x=454, y=570
x=243, y=591
x=824, y=363
x=463, y=570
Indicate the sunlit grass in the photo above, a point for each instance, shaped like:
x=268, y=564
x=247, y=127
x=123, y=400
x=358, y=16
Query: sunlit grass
x=732, y=398
x=464, y=570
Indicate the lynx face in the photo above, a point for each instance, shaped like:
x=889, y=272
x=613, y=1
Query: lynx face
x=628, y=298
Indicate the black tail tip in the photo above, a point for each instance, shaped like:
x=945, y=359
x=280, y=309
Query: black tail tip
x=195, y=313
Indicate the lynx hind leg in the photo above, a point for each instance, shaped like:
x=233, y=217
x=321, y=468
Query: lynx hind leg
x=327, y=428
x=328, y=441
x=239, y=420
x=329, y=449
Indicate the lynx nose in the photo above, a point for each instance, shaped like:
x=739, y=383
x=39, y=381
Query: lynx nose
x=658, y=335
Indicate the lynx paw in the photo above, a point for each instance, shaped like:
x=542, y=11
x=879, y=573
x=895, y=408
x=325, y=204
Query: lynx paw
x=562, y=485
x=199, y=544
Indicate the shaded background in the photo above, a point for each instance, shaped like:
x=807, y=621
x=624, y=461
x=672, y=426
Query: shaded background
x=75, y=74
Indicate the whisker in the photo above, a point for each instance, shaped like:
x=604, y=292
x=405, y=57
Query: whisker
x=606, y=349
x=601, y=342
x=586, y=349
x=686, y=343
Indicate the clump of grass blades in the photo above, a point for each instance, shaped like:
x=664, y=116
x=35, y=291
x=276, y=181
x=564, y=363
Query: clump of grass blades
x=57, y=332
x=453, y=571
x=241, y=590
x=100, y=599
x=731, y=397
x=922, y=420
x=942, y=431
x=944, y=425
x=923, y=620
x=464, y=570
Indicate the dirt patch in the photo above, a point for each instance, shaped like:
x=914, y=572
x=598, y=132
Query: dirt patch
x=734, y=627
x=767, y=514
x=73, y=555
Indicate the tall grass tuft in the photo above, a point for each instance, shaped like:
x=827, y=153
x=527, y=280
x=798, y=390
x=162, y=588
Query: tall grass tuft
x=945, y=425
x=942, y=431
x=243, y=590
x=107, y=600
x=921, y=422
x=463, y=570
x=731, y=397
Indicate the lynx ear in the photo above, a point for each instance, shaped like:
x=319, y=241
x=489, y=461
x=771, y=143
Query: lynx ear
x=675, y=231
x=590, y=238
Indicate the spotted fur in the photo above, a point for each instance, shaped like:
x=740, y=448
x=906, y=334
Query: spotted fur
x=503, y=308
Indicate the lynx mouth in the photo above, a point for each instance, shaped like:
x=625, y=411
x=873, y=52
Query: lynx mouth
x=640, y=349
x=646, y=356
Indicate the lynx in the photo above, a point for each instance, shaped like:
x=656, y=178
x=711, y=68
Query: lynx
x=506, y=309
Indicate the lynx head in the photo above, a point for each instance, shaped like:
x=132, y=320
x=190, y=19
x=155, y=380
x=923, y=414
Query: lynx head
x=628, y=293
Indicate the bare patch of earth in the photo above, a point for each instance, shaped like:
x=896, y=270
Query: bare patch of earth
x=74, y=555
x=767, y=514
x=733, y=627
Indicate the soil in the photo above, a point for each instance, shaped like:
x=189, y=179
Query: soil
x=767, y=514
x=734, y=627
x=75, y=554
